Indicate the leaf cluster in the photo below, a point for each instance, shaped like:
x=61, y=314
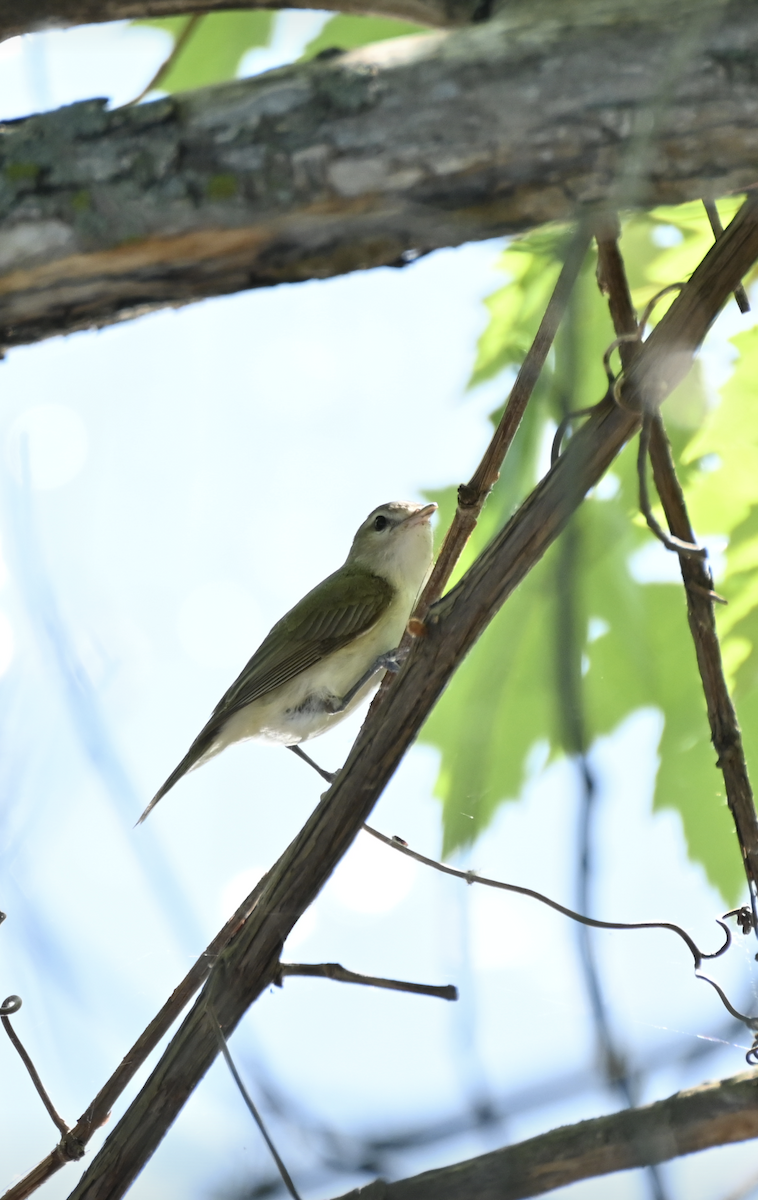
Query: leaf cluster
x=627, y=640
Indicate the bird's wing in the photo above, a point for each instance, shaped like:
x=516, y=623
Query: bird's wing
x=308, y=633
x=303, y=637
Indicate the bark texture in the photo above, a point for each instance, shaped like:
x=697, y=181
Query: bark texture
x=371, y=158
x=714, y=1114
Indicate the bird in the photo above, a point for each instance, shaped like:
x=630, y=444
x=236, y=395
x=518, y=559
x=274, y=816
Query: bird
x=326, y=654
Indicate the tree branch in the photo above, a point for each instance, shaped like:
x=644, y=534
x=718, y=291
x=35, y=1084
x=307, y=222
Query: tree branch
x=722, y=718
x=714, y=1114
x=472, y=496
x=342, y=975
x=27, y=16
x=12, y=1004
x=249, y=962
x=471, y=877
x=698, y=583
x=370, y=158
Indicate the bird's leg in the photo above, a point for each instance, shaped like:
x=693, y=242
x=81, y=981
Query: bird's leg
x=391, y=661
x=329, y=776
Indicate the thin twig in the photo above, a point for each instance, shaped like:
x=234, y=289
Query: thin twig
x=336, y=971
x=563, y=427
x=697, y=954
x=725, y=729
x=99, y=1110
x=73, y=1146
x=163, y=70
x=12, y=1004
x=698, y=582
x=471, y=877
x=691, y=549
x=712, y=213
x=224, y=1048
x=472, y=495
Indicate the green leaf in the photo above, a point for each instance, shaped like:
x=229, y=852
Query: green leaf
x=632, y=639
x=215, y=48
x=346, y=32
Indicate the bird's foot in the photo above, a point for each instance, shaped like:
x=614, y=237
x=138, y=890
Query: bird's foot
x=392, y=661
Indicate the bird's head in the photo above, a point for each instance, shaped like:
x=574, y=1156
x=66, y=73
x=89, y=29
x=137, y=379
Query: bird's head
x=395, y=542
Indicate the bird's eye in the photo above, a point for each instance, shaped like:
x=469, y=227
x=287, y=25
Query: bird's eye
x=380, y=523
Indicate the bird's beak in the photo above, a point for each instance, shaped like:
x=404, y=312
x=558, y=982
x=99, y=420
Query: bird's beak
x=421, y=516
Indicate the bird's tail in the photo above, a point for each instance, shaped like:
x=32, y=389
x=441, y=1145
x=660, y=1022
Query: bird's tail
x=197, y=751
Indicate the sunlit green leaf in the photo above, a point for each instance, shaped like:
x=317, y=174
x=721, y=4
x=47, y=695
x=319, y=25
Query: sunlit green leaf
x=634, y=639
x=531, y=267
x=215, y=47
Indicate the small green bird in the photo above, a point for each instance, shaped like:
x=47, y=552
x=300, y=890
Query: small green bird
x=322, y=659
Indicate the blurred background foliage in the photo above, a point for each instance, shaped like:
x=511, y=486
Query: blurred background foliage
x=216, y=43
x=501, y=719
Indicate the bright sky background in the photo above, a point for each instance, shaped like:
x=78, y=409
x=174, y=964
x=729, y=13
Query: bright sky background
x=170, y=487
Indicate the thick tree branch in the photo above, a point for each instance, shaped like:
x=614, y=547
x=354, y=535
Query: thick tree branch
x=371, y=158
x=249, y=962
x=25, y=16
x=714, y=1114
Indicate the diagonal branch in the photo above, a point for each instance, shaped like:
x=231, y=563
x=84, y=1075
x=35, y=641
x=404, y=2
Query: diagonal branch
x=171, y=60
x=714, y=1114
x=224, y=1048
x=722, y=718
x=12, y=1004
x=249, y=962
x=725, y=730
x=472, y=496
